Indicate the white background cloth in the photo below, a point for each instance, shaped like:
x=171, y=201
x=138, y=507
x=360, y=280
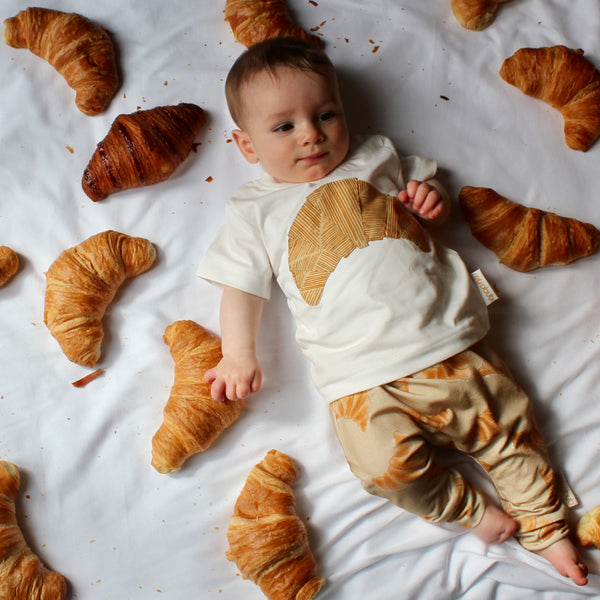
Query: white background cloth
x=91, y=505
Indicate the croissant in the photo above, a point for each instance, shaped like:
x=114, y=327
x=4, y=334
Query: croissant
x=588, y=528
x=22, y=574
x=192, y=419
x=253, y=21
x=566, y=81
x=525, y=238
x=81, y=283
x=142, y=148
x=9, y=263
x=267, y=540
x=475, y=14
x=81, y=51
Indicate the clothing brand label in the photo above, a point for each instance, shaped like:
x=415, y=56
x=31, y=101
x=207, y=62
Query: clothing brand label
x=567, y=493
x=487, y=291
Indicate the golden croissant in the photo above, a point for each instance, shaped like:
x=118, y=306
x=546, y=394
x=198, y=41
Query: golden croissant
x=565, y=80
x=253, y=21
x=81, y=51
x=22, y=574
x=9, y=264
x=475, y=14
x=525, y=238
x=142, y=148
x=267, y=539
x=588, y=528
x=81, y=283
x=192, y=419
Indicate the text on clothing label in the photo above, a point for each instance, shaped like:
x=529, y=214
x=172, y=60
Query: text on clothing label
x=488, y=293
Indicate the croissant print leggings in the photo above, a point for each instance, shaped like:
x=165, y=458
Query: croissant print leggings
x=469, y=402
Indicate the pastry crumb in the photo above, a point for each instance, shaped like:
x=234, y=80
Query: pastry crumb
x=85, y=380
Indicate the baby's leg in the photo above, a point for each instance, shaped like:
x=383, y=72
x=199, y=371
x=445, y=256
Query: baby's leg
x=496, y=526
x=520, y=467
x=387, y=450
x=563, y=556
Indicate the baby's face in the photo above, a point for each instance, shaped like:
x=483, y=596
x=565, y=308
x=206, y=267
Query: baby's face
x=294, y=124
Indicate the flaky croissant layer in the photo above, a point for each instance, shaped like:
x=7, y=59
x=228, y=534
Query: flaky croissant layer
x=22, y=574
x=267, y=539
x=9, y=264
x=192, y=420
x=81, y=51
x=82, y=282
x=253, y=21
x=142, y=148
x=475, y=14
x=588, y=528
x=525, y=238
x=564, y=79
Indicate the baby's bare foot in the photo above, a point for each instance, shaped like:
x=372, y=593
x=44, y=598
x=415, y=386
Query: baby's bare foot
x=496, y=526
x=563, y=556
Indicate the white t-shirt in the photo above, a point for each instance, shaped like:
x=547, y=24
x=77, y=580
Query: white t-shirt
x=373, y=296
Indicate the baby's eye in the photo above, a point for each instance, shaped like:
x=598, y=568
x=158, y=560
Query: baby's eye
x=326, y=116
x=284, y=127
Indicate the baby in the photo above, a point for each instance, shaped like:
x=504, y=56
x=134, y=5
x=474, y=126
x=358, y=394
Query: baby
x=391, y=321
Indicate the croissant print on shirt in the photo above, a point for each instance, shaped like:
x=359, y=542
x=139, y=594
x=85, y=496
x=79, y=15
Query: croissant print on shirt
x=336, y=219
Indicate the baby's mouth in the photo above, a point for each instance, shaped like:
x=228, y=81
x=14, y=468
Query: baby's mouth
x=314, y=157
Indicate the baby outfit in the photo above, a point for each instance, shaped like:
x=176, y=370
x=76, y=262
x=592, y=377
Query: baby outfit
x=375, y=301
x=391, y=435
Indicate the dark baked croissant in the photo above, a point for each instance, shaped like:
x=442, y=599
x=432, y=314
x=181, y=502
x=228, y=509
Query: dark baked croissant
x=192, y=419
x=22, y=574
x=475, y=14
x=267, y=539
x=588, y=528
x=566, y=81
x=142, y=148
x=253, y=21
x=9, y=264
x=81, y=283
x=525, y=238
x=81, y=51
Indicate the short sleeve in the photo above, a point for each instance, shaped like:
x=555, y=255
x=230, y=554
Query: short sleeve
x=237, y=257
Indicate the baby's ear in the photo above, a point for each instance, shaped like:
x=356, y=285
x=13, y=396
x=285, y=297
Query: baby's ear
x=244, y=143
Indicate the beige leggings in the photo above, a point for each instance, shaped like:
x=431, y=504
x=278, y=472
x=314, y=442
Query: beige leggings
x=469, y=402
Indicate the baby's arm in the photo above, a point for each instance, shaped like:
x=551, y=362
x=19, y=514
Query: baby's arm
x=428, y=200
x=238, y=374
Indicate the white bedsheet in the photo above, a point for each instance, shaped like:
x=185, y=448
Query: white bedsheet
x=91, y=504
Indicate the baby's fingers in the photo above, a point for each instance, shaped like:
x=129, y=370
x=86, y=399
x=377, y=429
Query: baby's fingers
x=240, y=392
x=431, y=204
x=217, y=390
x=256, y=382
x=244, y=388
x=412, y=196
x=210, y=375
x=423, y=199
x=412, y=187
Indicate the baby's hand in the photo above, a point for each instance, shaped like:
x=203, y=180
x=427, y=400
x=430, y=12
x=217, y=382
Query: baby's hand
x=425, y=201
x=234, y=379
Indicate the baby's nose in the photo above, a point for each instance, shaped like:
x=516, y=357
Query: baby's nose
x=311, y=133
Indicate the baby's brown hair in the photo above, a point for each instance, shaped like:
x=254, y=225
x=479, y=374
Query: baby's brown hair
x=267, y=56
